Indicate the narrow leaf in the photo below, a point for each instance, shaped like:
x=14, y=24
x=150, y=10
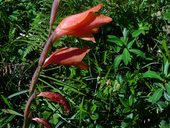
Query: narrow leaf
x=17, y=93
x=11, y=112
x=126, y=56
x=6, y=102
x=166, y=67
x=42, y=121
x=152, y=74
x=56, y=97
x=156, y=95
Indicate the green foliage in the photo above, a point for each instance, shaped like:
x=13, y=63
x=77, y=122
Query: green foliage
x=127, y=84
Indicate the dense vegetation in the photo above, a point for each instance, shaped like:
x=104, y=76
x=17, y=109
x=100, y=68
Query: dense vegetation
x=127, y=84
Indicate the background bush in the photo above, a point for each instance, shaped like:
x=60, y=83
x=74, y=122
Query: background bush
x=127, y=84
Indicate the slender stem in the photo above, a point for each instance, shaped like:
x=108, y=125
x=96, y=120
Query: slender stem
x=34, y=81
x=27, y=113
x=40, y=63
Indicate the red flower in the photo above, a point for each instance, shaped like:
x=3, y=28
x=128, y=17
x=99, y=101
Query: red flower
x=82, y=25
x=68, y=56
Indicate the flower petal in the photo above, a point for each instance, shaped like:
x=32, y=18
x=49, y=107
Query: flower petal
x=99, y=21
x=42, y=121
x=74, y=21
x=87, y=36
x=82, y=65
x=67, y=56
x=56, y=97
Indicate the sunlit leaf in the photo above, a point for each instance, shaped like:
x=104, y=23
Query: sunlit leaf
x=138, y=32
x=152, y=74
x=115, y=40
x=156, y=95
x=117, y=61
x=125, y=35
x=166, y=67
x=126, y=56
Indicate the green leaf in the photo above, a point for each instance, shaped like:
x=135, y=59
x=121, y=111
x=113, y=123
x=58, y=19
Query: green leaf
x=6, y=102
x=156, y=95
x=17, y=93
x=136, y=33
x=167, y=15
x=152, y=74
x=95, y=116
x=165, y=47
x=11, y=112
x=137, y=52
x=167, y=96
x=126, y=56
x=131, y=100
x=117, y=61
x=164, y=124
x=167, y=86
x=93, y=108
x=125, y=33
x=125, y=36
x=166, y=67
x=124, y=103
x=115, y=39
x=131, y=43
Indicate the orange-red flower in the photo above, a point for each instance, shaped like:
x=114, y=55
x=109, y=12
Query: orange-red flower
x=68, y=56
x=82, y=25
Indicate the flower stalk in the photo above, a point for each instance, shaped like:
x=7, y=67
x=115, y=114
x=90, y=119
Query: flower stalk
x=34, y=81
x=82, y=25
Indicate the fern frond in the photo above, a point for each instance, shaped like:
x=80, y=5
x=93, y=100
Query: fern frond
x=38, y=32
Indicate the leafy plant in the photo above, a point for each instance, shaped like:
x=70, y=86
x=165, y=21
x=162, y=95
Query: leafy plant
x=125, y=46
